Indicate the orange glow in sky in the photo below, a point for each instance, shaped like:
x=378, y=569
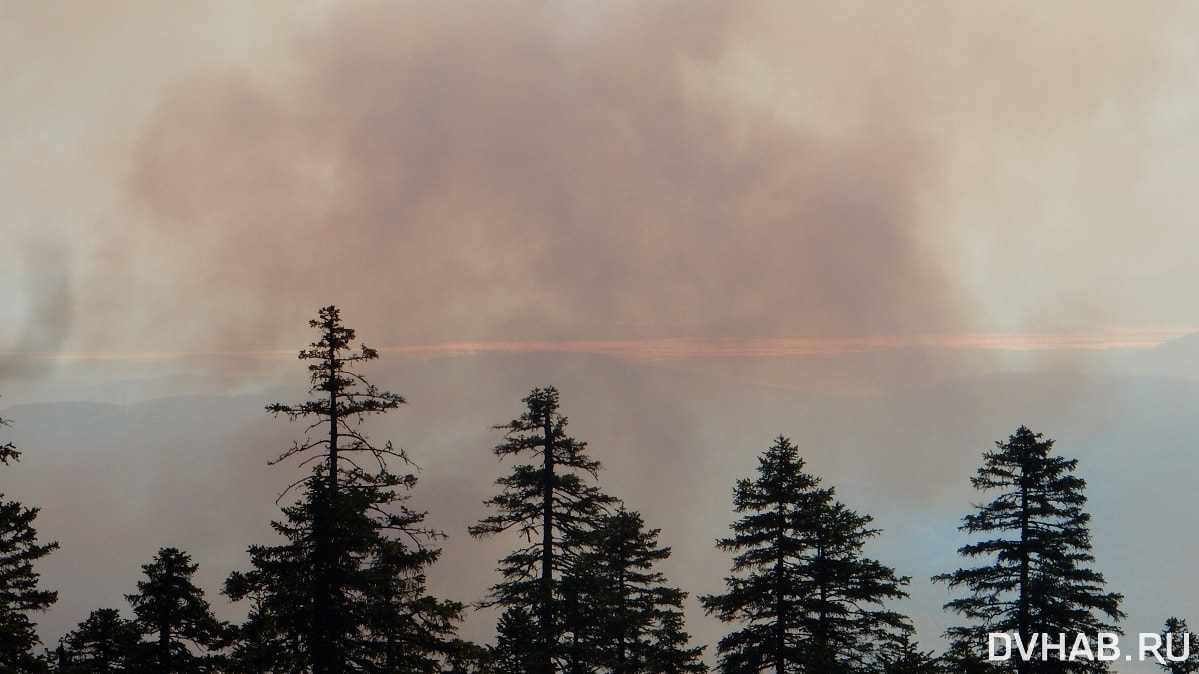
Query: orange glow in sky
x=666, y=349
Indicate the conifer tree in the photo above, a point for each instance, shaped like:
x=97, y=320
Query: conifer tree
x=173, y=616
x=278, y=635
x=630, y=619
x=1035, y=578
x=550, y=505
x=465, y=657
x=965, y=658
x=20, y=595
x=346, y=591
x=406, y=629
x=672, y=652
x=1179, y=648
x=806, y=597
x=104, y=643
x=515, y=631
x=905, y=657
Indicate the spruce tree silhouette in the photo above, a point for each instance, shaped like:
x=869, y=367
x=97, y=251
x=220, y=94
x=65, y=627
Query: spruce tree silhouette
x=104, y=643
x=1036, y=577
x=548, y=501
x=346, y=591
x=20, y=595
x=629, y=618
x=1179, y=648
x=806, y=597
x=173, y=613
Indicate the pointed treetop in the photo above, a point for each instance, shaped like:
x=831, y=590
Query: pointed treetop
x=8, y=451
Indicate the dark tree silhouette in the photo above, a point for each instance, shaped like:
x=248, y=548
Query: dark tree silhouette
x=346, y=591
x=1035, y=579
x=465, y=657
x=172, y=612
x=516, y=631
x=905, y=657
x=628, y=619
x=279, y=588
x=104, y=643
x=671, y=652
x=407, y=630
x=807, y=598
x=19, y=592
x=965, y=658
x=1179, y=648
x=551, y=506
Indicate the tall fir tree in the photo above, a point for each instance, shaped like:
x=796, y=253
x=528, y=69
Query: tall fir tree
x=20, y=595
x=806, y=597
x=1036, y=577
x=346, y=591
x=180, y=632
x=550, y=504
x=104, y=643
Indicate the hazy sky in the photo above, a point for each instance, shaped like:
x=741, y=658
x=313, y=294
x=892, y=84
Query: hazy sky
x=200, y=176
x=650, y=180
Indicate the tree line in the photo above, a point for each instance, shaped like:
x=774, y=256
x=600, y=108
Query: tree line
x=343, y=588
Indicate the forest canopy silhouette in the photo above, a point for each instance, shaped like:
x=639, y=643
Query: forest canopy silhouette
x=342, y=588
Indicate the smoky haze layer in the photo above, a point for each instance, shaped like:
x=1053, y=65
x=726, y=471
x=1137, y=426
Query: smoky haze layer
x=503, y=177
x=539, y=172
x=554, y=171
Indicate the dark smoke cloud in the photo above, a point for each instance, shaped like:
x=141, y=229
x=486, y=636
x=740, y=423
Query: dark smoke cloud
x=548, y=170
x=492, y=175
